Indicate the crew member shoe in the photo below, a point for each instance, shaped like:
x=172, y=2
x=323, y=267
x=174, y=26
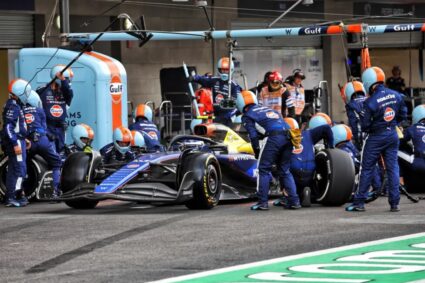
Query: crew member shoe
x=292, y=206
x=306, y=199
x=371, y=196
x=355, y=208
x=282, y=201
x=23, y=200
x=395, y=208
x=260, y=206
x=55, y=197
x=12, y=202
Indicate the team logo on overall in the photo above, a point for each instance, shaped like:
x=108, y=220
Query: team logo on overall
x=56, y=111
x=298, y=150
x=153, y=135
x=115, y=89
x=29, y=118
x=389, y=114
x=219, y=98
x=272, y=115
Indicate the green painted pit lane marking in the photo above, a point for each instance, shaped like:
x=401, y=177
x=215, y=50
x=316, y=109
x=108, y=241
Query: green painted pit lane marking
x=392, y=260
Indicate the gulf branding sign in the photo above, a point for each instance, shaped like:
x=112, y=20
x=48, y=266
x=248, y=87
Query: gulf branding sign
x=115, y=89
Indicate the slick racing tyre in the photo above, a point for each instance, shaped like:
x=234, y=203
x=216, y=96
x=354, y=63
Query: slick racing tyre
x=334, y=178
x=75, y=171
x=207, y=177
x=36, y=167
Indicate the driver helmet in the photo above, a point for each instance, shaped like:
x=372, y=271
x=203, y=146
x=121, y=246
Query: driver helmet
x=82, y=135
x=122, y=139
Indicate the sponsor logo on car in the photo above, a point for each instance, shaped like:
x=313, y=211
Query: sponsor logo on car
x=29, y=118
x=389, y=114
x=56, y=110
x=132, y=166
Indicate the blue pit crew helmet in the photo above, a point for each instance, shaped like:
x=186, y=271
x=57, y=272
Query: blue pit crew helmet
x=319, y=119
x=82, y=131
x=225, y=67
x=341, y=133
x=122, y=139
x=351, y=88
x=142, y=110
x=21, y=89
x=138, y=139
x=372, y=76
x=34, y=100
x=245, y=98
x=418, y=113
x=69, y=74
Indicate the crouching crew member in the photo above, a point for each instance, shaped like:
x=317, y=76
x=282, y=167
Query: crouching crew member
x=119, y=150
x=40, y=144
x=142, y=116
x=258, y=121
x=83, y=136
x=303, y=162
x=56, y=97
x=383, y=110
x=13, y=142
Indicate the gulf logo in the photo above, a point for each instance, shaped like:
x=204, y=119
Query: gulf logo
x=153, y=135
x=272, y=115
x=56, y=110
x=219, y=98
x=389, y=114
x=298, y=150
x=115, y=89
x=29, y=118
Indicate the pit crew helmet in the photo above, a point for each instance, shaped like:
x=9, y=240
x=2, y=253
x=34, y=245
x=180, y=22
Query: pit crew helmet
x=418, y=114
x=69, y=74
x=292, y=123
x=34, y=100
x=142, y=110
x=351, y=88
x=319, y=119
x=341, y=133
x=245, y=98
x=225, y=67
x=275, y=80
x=122, y=139
x=82, y=131
x=21, y=89
x=372, y=76
x=138, y=139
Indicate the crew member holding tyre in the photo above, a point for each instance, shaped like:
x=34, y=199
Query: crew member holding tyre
x=303, y=162
x=35, y=119
x=56, y=97
x=13, y=142
x=142, y=116
x=259, y=120
x=383, y=110
x=119, y=150
x=342, y=140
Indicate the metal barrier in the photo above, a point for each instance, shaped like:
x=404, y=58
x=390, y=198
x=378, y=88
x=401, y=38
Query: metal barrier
x=166, y=118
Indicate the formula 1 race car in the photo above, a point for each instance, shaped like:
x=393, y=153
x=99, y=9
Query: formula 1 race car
x=196, y=171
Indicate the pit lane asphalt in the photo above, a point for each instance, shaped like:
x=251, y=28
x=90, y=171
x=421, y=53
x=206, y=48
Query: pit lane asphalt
x=127, y=242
